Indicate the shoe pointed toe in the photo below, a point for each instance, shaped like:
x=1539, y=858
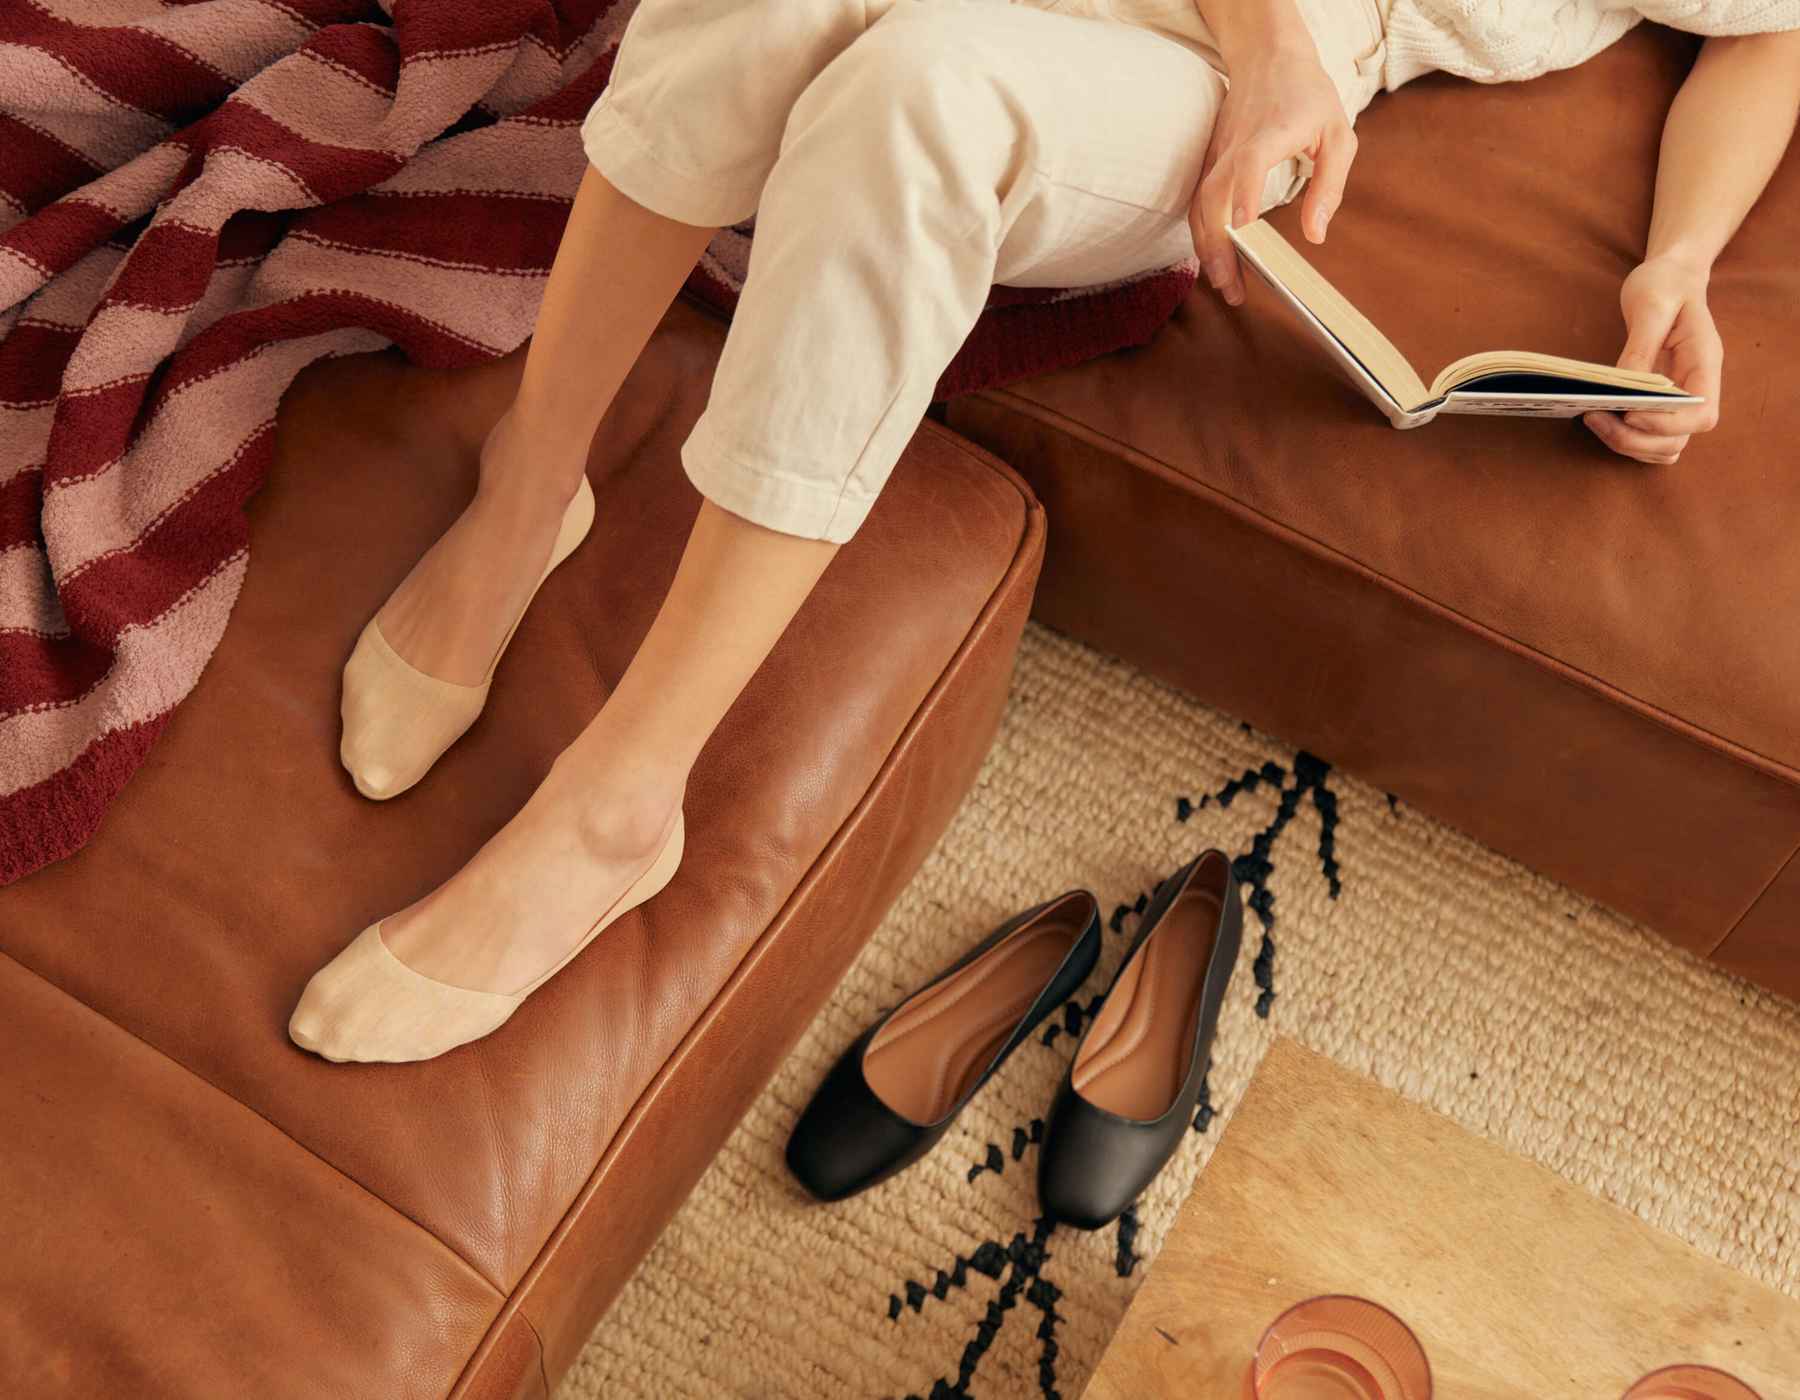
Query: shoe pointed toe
x=1068, y=1204
x=1089, y=1171
x=897, y=1090
x=1128, y=1098
x=847, y=1139
x=819, y=1162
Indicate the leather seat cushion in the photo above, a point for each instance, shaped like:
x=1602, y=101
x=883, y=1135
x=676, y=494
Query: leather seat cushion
x=1584, y=661
x=1505, y=217
x=192, y=1176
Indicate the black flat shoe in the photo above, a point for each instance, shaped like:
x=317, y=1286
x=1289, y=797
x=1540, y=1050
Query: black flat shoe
x=902, y=1082
x=1130, y=1092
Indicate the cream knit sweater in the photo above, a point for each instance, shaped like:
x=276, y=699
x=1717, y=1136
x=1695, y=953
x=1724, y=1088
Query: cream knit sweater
x=1498, y=41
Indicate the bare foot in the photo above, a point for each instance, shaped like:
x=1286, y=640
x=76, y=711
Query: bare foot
x=540, y=883
x=451, y=614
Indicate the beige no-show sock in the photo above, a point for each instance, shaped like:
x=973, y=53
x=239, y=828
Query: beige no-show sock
x=366, y=1005
x=398, y=721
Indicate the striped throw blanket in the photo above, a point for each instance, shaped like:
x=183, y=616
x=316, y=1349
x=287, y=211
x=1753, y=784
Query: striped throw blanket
x=199, y=199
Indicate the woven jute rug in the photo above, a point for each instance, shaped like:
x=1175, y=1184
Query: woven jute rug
x=1393, y=944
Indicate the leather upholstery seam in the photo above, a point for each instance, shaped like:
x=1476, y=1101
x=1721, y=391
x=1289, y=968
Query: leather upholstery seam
x=274, y=1127
x=537, y=1340
x=1762, y=893
x=1563, y=670
x=1030, y=543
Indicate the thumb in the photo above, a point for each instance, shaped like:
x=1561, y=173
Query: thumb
x=1647, y=327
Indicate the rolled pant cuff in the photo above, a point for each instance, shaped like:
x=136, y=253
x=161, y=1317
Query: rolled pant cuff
x=619, y=150
x=809, y=510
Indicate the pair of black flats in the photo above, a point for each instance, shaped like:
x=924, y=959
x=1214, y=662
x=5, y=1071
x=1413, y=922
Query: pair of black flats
x=1130, y=1092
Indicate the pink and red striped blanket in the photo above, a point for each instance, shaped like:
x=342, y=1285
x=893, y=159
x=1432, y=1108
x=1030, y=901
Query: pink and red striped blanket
x=199, y=199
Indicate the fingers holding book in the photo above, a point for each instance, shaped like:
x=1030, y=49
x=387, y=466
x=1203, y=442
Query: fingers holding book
x=1279, y=109
x=1657, y=449
x=1669, y=329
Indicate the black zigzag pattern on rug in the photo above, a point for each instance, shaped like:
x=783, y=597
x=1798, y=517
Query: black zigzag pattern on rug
x=1019, y=1263
x=1255, y=866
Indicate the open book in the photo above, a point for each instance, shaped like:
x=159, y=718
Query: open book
x=1514, y=382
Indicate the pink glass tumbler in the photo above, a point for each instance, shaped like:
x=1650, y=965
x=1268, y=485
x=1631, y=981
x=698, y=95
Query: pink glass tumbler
x=1690, y=1383
x=1339, y=1348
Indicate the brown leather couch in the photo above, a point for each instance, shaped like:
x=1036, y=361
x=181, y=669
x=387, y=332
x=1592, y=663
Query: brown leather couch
x=1592, y=665
x=190, y=1206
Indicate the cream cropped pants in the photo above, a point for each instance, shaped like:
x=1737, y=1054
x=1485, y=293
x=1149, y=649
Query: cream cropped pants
x=900, y=158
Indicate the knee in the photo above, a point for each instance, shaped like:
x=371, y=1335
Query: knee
x=905, y=55
x=914, y=96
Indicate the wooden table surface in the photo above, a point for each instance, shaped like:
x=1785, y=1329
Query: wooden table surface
x=1517, y=1283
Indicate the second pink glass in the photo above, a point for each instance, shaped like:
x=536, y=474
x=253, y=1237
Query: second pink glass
x=1690, y=1383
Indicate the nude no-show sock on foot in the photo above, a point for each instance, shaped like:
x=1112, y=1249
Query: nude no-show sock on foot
x=398, y=720
x=366, y=1005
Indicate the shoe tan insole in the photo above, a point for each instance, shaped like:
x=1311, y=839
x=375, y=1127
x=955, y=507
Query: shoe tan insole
x=1137, y=1054
x=932, y=1050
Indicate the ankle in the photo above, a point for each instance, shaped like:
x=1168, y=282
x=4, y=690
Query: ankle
x=523, y=460
x=631, y=828
x=619, y=814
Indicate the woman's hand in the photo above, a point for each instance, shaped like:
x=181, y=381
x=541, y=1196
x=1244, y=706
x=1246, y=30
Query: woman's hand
x=1280, y=105
x=1667, y=329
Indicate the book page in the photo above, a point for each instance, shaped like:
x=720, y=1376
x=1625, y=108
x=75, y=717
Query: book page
x=1327, y=309
x=1530, y=362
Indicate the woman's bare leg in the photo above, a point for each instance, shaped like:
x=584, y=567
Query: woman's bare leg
x=860, y=144
x=612, y=795
x=882, y=226
x=616, y=271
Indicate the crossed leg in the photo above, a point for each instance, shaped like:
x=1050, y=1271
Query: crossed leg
x=953, y=144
